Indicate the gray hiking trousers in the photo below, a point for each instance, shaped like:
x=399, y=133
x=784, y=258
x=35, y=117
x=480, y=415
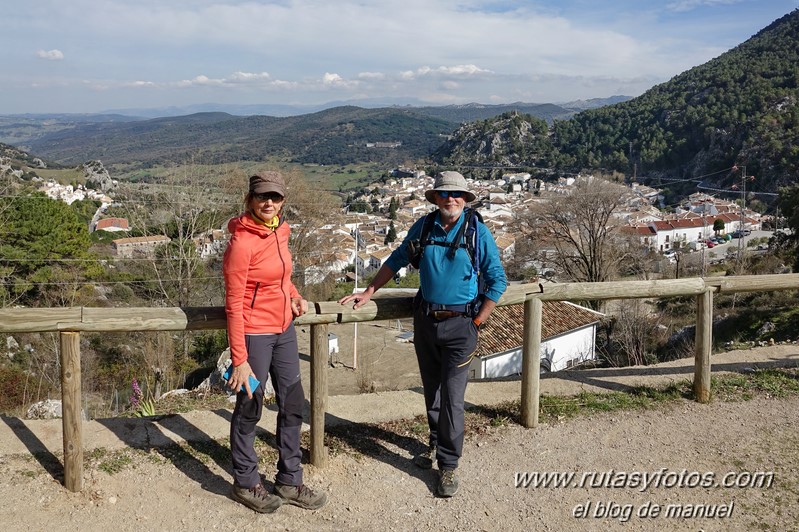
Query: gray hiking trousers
x=444, y=351
x=274, y=355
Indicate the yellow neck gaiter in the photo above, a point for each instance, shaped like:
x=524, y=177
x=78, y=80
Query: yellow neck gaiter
x=270, y=224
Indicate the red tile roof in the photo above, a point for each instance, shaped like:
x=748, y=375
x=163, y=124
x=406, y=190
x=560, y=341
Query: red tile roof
x=121, y=223
x=504, y=330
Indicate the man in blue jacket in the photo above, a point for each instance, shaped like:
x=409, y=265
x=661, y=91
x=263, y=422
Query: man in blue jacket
x=462, y=279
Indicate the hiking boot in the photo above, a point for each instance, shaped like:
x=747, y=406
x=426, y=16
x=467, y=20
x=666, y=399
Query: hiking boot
x=256, y=498
x=425, y=460
x=301, y=496
x=447, y=484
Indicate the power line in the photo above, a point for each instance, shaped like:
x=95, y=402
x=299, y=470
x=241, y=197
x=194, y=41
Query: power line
x=94, y=283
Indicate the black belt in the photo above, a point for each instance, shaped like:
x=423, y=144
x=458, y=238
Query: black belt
x=444, y=314
x=433, y=307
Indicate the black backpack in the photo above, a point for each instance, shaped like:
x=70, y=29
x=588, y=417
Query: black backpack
x=466, y=238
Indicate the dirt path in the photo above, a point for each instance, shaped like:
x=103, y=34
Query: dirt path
x=377, y=487
x=381, y=490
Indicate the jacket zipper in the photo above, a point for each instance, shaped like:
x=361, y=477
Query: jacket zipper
x=254, y=293
x=283, y=276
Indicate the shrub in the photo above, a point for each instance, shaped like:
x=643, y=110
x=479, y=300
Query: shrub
x=12, y=388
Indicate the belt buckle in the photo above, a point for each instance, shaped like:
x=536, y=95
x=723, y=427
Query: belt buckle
x=444, y=314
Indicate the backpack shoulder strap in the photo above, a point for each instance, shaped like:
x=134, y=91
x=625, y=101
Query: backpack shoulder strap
x=465, y=238
x=471, y=237
x=427, y=227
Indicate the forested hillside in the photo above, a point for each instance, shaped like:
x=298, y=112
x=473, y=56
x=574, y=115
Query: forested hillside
x=738, y=109
x=335, y=136
x=458, y=114
x=512, y=139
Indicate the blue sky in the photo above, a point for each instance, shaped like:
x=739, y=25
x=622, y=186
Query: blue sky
x=84, y=56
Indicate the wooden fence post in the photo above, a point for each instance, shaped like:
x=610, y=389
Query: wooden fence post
x=531, y=361
x=702, y=346
x=319, y=361
x=72, y=425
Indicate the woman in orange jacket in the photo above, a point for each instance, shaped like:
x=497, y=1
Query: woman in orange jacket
x=261, y=303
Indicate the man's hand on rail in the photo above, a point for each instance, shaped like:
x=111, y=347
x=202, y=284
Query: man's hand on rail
x=360, y=299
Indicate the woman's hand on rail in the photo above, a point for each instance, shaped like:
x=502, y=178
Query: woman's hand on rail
x=299, y=306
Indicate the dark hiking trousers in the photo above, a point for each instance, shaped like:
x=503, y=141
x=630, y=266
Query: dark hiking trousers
x=274, y=355
x=444, y=350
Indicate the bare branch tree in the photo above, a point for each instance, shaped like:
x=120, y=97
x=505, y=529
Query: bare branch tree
x=307, y=210
x=187, y=206
x=580, y=230
x=632, y=334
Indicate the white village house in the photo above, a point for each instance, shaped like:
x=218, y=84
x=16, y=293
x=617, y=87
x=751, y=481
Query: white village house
x=568, y=332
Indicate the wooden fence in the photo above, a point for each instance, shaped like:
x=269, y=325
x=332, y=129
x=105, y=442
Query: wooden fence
x=70, y=322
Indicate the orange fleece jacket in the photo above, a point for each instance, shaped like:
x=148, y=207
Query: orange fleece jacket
x=258, y=287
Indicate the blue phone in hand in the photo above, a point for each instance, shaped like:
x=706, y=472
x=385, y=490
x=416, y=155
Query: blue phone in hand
x=254, y=383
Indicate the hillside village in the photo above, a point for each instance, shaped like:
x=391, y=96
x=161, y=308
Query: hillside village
x=358, y=241
x=500, y=201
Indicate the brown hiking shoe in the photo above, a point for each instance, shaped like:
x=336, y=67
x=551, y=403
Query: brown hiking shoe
x=447, y=484
x=256, y=498
x=425, y=460
x=301, y=496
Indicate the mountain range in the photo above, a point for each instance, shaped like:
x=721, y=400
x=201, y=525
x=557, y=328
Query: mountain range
x=458, y=113
x=335, y=135
x=704, y=126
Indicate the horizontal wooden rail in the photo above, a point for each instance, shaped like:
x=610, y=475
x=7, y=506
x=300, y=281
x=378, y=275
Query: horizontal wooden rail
x=71, y=321
x=128, y=319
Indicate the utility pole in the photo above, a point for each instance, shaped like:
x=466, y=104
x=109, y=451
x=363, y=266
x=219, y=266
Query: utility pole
x=355, y=324
x=744, y=179
x=704, y=235
x=743, y=208
x=355, y=291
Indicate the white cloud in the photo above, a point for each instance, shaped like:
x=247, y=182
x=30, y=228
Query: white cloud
x=50, y=55
x=690, y=5
x=372, y=75
x=335, y=80
x=202, y=80
x=457, y=70
x=249, y=76
x=306, y=51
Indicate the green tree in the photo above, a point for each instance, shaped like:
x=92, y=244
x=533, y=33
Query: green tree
x=786, y=244
x=391, y=235
x=44, y=252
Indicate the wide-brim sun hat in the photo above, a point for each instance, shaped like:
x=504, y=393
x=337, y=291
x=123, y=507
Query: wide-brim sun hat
x=449, y=181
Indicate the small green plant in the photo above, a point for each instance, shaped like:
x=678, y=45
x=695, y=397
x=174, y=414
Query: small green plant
x=500, y=421
x=109, y=462
x=141, y=407
x=146, y=408
x=115, y=463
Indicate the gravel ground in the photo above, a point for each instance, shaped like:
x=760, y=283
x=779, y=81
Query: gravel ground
x=670, y=449
x=187, y=489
